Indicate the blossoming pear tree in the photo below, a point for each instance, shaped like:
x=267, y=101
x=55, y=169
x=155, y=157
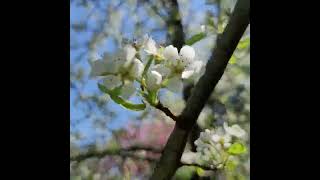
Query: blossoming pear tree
x=140, y=70
x=143, y=68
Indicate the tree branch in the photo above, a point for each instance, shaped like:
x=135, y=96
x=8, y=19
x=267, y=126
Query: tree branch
x=125, y=152
x=166, y=111
x=226, y=44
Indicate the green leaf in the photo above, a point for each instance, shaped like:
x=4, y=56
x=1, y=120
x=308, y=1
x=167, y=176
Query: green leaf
x=116, y=91
x=237, y=148
x=114, y=94
x=128, y=104
x=200, y=171
x=243, y=44
x=185, y=172
x=233, y=60
x=103, y=88
x=195, y=38
x=231, y=165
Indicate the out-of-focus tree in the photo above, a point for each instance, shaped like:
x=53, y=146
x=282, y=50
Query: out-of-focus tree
x=108, y=142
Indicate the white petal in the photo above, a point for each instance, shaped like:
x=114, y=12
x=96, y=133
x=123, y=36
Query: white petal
x=175, y=84
x=203, y=28
x=215, y=138
x=162, y=69
x=226, y=145
x=189, y=157
x=196, y=142
x=218, y=146
x=97, y=68
x=150, y=46
x=226, y=138
x=187, y=54
x=127, y=90
x=187, y=74
x=220, y=166
x=234, y=130
x=171, y=53
x=117, y=61
x=112, y=64
x=137, y=69
x=196, y=66
x=153, y=80
x=130, y=52
x=112, y=81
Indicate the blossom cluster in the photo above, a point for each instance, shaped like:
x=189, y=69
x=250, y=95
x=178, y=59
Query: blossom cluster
x=218, y=146
x=149, y=65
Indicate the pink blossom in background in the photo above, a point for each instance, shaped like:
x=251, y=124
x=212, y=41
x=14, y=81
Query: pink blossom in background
x=148, y=134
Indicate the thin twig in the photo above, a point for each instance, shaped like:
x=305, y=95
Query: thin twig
x=166, y=111
x=125, y=152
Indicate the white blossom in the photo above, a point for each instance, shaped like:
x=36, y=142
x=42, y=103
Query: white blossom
x=127, y=90
x=137, y=69
x=175, y=84
x=153, y=80
x=113, y=65
x=192, y=69
x=234, y=130
x=129, y=54
x=150, y=45
x=162, y=69
x=184, y=61
x=212, y=145
x=171, y=53
x=203, y=28
x=98, y=67
x=112, y=81
x=187, y=54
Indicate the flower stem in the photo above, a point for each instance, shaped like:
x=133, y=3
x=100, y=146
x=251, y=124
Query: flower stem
x=147, y=66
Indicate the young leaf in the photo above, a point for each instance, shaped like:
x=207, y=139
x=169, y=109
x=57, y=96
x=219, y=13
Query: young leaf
x=127, y=104
x=233, y=60
x=200, y=171
x=114, y=94
x=237, y=148
x=103, y=88
x=244, y=44
x=231, y=165
x=195, y=38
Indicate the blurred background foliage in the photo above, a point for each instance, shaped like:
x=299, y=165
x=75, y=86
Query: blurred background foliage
x=109, y=142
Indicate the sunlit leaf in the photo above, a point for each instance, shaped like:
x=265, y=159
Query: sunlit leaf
x=195, y=38
x=233, y=60
x=237, y=148
x=185, y=172
x=114, y=94
x=231, y=165
x=200, y=171
x=243, y=44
